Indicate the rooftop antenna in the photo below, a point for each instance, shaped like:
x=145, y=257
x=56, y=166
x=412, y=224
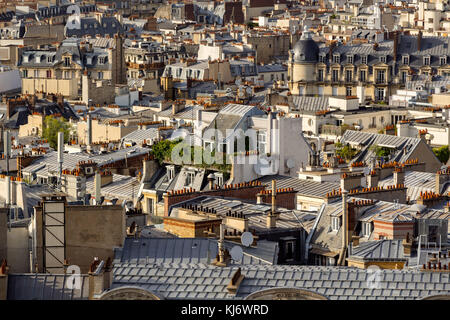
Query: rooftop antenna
x=60, y=157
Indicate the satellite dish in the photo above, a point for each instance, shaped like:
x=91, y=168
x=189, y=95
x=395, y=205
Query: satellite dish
x=238, y=82
x=290, y=163
x=249, y=90
x=236, y=253
x=247, y=239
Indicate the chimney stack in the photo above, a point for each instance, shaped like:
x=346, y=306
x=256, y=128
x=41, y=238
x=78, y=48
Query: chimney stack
x=89, y=130
x=272, y=217
x=399, y=176
x=344, y=220
x=419, y=41
x=98, y=186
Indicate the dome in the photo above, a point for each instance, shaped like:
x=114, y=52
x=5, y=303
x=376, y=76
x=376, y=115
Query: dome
x=306, y=49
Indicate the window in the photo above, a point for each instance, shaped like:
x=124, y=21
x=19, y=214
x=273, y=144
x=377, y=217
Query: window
x=334, y=91
x=348, y=91
x=350, y=59
x=25, y=74
x=364, y=59
x=67, y=61
x=335, y=76
x=426, y=60
x=336, y=58
x=379, y=94
x=190, y=178
x=404, y=75
x=320, y=75
x=170, y=172
x=261, y=141
x=405, y=59
x=380, y=76
x=50, y=59
x=36, y=73
x=348, y=75
x=443, y=60
x=321, y=58
x=335, y=223
x=383, y=59
x=366, y=229
x=67, y=74
x=362, y=75
x=100, y=75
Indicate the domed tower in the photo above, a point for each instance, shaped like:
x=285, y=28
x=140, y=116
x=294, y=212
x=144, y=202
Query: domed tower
x=302, y=64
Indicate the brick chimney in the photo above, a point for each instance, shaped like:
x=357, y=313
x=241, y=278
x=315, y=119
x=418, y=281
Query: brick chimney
x=97, y=279
x=372, y=179
x=407, y=244
x=399, y=176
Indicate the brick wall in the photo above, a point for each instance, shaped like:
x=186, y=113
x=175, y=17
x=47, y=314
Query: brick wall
x=284, y=199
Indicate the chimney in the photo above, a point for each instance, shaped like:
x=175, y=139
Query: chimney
x=96, y=279
x=8, y=190
x=395, y=45
x=372, y=179
x=98, y=187
x=355, y=241
x=399, y=176
x=407, y=244
x=272, y=217
x=211, y=179
x=4, y=280
x=235, y=282
x=89, y=130
x=419, y=41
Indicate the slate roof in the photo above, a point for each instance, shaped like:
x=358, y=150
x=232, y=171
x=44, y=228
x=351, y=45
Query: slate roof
x=199, y=281
x=90, y=26
x=122, y=187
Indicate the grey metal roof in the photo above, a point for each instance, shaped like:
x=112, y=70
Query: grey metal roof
x=415, y=182
x=45, y=287
x=49, y=163
x=122, y=187
x=366, y=140
x=378, y=250
x=199, y=281
x=189, y=250
x=303, y=187
x=305, y=103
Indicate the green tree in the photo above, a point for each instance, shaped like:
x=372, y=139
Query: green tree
x=346, y=152
x=163, y=149
x=51, y=128
x=442, y=153
x=380, y=151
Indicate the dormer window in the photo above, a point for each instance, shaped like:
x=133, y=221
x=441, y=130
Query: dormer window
x=25, y=59
x=50, y=59
x=350, y=59
x=101, y=60
x=364, y=59
x=190, y=178
x=383, y=59
x=170, y=172
x=405, y=59
x=67, y=61
x=335, y=223
x=336, y=58
x=443, y=60
x=322, y=58
x=367, y=229
x=426, y=60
